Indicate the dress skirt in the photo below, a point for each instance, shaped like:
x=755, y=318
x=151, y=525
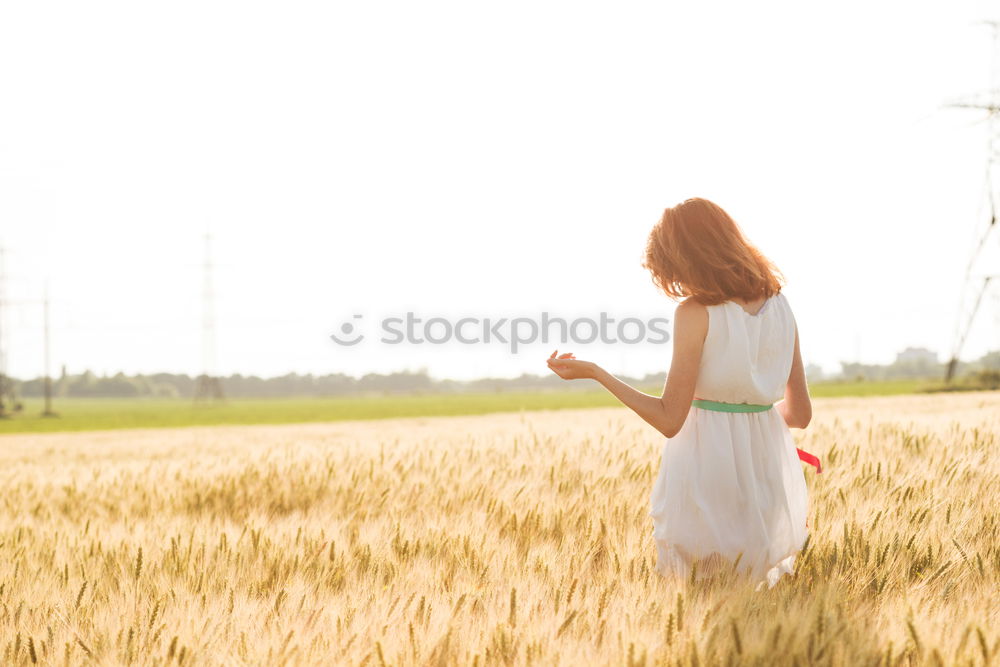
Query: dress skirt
x=730, y=483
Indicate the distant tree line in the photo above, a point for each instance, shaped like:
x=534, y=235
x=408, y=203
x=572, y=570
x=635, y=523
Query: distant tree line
x=921, y=368
x=170, y=385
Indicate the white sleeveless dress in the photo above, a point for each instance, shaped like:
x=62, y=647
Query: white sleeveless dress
x=732, y=482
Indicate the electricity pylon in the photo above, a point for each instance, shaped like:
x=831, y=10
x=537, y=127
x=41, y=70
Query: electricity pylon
x=976, y=286
x=208, y=387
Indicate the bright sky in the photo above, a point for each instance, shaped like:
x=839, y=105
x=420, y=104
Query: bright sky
x=476, y=159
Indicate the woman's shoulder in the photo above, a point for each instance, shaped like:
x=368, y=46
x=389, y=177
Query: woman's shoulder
x=786, y=307
x=691, y=317
x=690, y=307
x=691, y=302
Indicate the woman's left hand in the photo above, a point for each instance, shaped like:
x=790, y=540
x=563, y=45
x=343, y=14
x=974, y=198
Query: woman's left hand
x=569, y=367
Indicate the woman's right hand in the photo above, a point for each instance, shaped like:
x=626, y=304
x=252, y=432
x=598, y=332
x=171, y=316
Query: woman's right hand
x=569, y=367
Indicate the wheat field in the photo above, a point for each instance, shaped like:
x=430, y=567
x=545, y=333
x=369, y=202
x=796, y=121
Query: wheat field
x=504, y=539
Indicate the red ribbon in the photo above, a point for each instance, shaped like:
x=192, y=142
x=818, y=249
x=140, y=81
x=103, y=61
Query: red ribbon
x=809, y=458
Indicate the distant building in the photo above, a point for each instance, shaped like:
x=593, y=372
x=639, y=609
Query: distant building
x=916, y=355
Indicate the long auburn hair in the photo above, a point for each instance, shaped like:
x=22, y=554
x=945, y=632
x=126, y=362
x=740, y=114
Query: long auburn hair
x=697, y=250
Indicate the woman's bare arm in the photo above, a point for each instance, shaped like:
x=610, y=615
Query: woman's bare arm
x=796, y=408
x=668, y=412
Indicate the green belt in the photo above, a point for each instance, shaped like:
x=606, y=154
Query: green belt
x=719, y=406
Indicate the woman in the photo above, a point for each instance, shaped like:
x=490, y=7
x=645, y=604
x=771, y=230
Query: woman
x=730, y=487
